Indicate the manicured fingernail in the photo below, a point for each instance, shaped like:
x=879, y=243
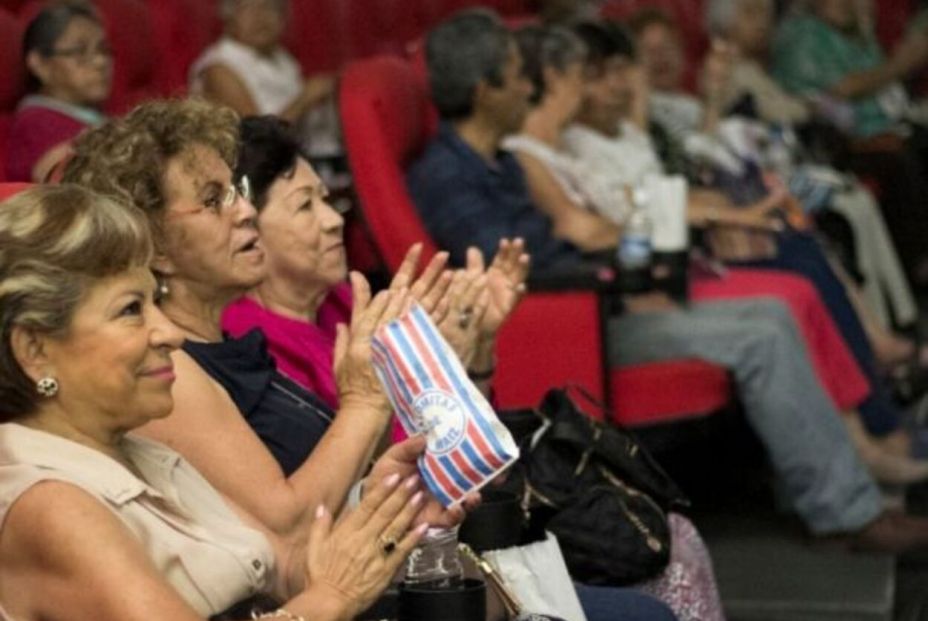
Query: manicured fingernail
x=421, y=528
x=392, y=480
x=412, y=481
x=320, y=512
x=416, y=499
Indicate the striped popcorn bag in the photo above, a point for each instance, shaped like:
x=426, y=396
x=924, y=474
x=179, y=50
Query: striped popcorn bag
x=431, y=394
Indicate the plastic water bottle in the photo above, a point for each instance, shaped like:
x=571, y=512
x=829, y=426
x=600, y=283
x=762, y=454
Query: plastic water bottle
x=634, y=252
x=435, y=562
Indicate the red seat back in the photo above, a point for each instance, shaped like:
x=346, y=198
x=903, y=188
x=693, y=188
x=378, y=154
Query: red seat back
x=317, y=34
x=12, y=86
x=9, y=189
x=385, y=111
x=183, y=29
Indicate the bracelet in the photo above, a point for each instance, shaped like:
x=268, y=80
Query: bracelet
x=481, y=376
x=280, y=613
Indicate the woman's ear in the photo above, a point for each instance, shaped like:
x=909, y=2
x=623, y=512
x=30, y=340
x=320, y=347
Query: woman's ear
x=30, y=352
x=38, y=65
x=162, y=265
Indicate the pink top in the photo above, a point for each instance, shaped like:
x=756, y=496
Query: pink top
x=303, y=351
x=39, y=125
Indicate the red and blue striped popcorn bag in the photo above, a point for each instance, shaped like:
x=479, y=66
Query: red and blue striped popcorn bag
x=467, y=445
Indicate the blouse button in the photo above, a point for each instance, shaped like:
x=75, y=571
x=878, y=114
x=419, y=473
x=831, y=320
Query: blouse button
x=256, y=564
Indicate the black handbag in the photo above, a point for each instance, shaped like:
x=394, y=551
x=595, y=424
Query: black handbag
x=601, y=493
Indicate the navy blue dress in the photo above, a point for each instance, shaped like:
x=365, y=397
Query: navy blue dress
x=289, y=419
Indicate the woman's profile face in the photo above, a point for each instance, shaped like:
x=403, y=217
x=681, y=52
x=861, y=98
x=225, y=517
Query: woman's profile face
x=566, y=86
x=301, y=232
x=79, y=68
x=608, y=93
x=209, y=240
x=114, y=360
x=660, y=54
x=257, y=23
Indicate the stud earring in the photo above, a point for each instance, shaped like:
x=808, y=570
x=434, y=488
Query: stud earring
x=163, y=290
x=47, y=386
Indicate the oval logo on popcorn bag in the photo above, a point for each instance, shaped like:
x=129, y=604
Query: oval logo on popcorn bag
x=443, y=420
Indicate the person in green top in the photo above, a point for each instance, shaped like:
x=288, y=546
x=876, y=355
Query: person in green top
x=827, y=54
x=829, y=49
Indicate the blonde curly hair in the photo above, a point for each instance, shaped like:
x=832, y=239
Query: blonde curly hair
x=127, y=158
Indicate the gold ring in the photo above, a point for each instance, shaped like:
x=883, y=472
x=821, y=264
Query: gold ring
x=387, y=544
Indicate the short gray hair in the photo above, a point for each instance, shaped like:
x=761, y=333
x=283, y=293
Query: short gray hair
x=469, y=47
x=547, y=46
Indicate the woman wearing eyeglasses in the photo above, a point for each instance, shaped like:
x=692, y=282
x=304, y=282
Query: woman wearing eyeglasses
x=268, y=444
x=70, y=70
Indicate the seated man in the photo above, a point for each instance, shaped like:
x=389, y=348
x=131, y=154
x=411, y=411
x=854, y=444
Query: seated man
x=469, y=192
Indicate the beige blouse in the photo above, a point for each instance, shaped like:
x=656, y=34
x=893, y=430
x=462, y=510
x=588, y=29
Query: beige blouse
x=200, y=547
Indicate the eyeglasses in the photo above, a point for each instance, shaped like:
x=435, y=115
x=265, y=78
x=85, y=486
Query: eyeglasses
x=220, y=205
x=84, y=54
x=242, y=188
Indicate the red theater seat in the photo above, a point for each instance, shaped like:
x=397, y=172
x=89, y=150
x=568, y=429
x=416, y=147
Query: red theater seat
x=9, y=189
x=183, y=29
x=554, y=337
x=317, y=34
x=12, y=86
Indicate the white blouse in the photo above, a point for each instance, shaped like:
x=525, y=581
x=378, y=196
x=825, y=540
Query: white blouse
x=193, y=538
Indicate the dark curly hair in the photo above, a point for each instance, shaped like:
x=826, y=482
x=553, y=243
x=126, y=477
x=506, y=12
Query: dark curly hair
x=269, y=149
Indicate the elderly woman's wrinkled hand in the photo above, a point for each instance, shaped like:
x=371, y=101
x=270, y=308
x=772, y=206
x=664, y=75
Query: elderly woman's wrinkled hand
x=505, y=282
x=355, y=559
x=468, y=298
x=354, y=373
x=431, y=287
x=401, y=458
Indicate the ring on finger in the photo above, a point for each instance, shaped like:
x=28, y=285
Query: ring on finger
x=464, y=317
x=387, y=544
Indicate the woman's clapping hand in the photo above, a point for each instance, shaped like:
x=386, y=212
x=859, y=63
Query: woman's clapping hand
x=352, y=561
x=354, y=373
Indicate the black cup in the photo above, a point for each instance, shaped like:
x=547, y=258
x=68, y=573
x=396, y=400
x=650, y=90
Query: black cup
x=466, y=602
x=495, y=524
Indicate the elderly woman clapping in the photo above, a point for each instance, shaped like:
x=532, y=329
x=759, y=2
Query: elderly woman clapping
x=87, y=360
x=305, y=294
x=264, y=441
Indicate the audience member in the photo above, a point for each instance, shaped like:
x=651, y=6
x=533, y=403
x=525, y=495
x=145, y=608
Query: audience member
x=70, y=68
x=594, y=140
x=303, y=294
x=827, y=52
x=463, y=181
x=748, y=26
x=574, y=193
x=224, y=385
x=100, y=523
x=250, y=71
x=272, y=447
